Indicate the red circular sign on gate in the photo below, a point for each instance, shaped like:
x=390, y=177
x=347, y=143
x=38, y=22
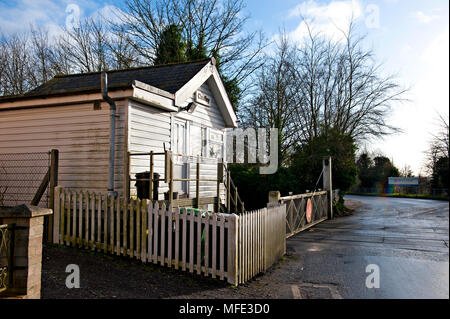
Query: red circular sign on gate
x=308, y=210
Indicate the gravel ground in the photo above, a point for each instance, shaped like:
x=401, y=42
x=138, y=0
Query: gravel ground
x=103, y=276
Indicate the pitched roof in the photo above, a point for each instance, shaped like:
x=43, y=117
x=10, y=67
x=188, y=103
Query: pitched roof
x=169, y=77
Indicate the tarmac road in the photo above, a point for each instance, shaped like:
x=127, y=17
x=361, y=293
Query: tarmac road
x=406, y=238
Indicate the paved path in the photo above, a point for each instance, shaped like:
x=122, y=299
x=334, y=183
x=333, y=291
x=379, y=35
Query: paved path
x=406, y=238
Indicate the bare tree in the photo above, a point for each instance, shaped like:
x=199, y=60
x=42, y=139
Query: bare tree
x=42, y=57
x=211, y=27
x=85, y=46
x=320, y=85
x=276, y=97
x=438, y=145
x=16, y=65
x=441, y=140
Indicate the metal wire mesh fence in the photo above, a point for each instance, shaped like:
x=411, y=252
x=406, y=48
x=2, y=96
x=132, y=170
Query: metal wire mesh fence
x=21, y=174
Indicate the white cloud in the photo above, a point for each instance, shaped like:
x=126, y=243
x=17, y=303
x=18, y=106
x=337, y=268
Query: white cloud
x=18, y=18
x=328, y=19
x=433, y=88
x=424, y=18
x=50, y=14
x=108, y=12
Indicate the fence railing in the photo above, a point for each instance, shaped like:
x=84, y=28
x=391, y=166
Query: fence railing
x=233, y=203
x=304, y=211
x=6, y=256
x=225, y=246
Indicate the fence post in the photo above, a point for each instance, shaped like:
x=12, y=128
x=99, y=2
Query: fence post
x=197, y=183
x=328, y=184
x=228, y=192
x=232, y=267
x=53, y=182
x=150, y=182
x=219, y=180
x=171, y=179
x=56, y=214
x=274, y=198
x=127, y=176
x=235, y=200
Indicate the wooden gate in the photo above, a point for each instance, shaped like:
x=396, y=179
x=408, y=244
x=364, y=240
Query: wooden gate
x=304, y=211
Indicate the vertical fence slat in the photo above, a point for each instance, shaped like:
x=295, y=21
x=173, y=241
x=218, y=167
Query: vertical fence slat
x=112, y=212
x=138, y=228
x=131, y=227
x=244, y=247
x=86, y=220
x=214, y=245
x=183, y=239
x=105, y=201
x=92, y=228
x=247, y=246
x=222, y=247
x=252, y=244
x=177, y=237
x=74, y=218
x=191, y=241
x=206, y=257
x=150, y=231
x=155, y=233
x=63, y=212
x=80, y=219
x=118, y=206
x=99, y=221
x=56, y=214
x=199, y=243
x=125, y=227
x=169, y=235
x=240, y=247
x=163, y=233
x=232, y=258
x=144, y=230
x=257, y=239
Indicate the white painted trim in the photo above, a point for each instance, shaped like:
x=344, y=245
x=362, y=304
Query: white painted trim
x=193, y=84
x=153, y=99
x=62, y=100
x=152, y=89
x=209, y=73
x=218, y=89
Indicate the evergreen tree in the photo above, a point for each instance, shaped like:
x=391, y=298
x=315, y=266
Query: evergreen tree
x=171, y=47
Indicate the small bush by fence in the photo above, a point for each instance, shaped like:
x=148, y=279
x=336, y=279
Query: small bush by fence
x=225, y=246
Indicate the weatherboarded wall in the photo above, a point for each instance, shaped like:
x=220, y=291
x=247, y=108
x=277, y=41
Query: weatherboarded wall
x=80, y=133
x=150, y=128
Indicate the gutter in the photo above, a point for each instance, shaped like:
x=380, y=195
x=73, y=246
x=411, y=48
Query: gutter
x=112, y=131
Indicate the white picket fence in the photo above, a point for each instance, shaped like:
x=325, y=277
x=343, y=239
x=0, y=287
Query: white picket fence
x=225, y=246
x=261, y=240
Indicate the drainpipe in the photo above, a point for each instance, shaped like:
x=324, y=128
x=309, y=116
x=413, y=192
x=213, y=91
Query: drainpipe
x=112, y=131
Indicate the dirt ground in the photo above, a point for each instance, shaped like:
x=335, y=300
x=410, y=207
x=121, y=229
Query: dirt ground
x=103, y=276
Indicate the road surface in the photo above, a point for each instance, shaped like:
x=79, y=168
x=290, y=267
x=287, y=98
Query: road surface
x=406, y=239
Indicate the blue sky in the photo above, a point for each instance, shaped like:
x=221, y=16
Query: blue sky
x=410, y=37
